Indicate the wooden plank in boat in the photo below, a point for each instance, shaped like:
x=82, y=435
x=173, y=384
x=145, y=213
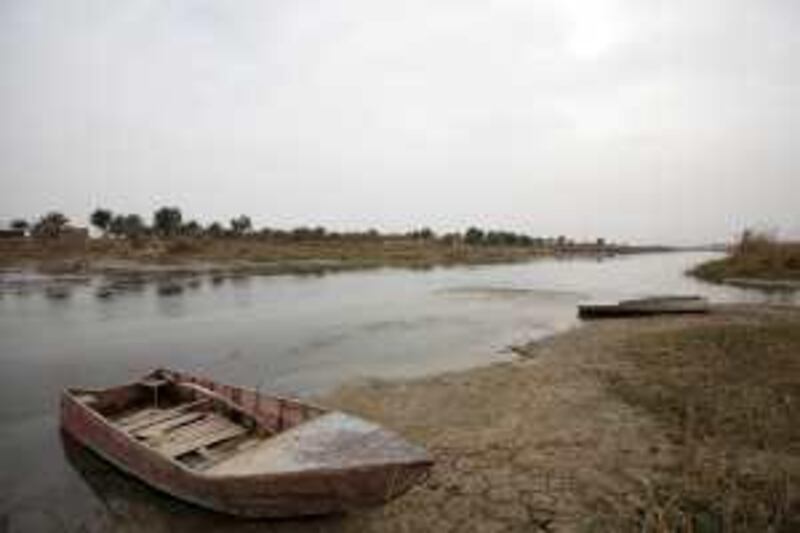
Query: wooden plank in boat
x=151, y=415
x=209, y=424
x=157, y=429
x=137, y=416
x=180, y=447
x=213, y=456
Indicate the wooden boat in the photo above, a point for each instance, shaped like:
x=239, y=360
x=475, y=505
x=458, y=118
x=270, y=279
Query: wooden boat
x=654, y=305
x=764, y=284
x=237, y=451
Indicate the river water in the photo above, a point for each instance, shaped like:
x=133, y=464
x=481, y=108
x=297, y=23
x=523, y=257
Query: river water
x=290, y=334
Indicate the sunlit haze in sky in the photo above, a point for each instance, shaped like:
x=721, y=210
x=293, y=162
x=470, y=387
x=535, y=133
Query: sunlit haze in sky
x=670, y=121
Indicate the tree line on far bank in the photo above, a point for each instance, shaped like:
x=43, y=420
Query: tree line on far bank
x=169, y=223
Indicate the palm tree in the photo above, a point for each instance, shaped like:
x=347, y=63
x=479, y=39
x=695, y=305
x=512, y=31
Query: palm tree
x=241, y=224
x=101, y=219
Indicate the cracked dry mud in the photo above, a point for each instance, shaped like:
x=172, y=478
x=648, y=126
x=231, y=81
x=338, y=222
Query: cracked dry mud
x=528, y=445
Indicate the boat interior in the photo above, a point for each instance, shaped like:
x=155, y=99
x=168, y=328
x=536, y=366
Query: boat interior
x=184, y=422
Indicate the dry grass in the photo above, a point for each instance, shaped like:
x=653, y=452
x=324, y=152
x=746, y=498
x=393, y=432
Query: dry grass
x=756, y=255
x=728, y=396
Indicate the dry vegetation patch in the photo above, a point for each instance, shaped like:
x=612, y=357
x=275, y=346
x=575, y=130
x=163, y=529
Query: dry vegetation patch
x=727, y=393
x=757, y=256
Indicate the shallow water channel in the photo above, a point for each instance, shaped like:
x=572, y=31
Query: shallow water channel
x=291, y=334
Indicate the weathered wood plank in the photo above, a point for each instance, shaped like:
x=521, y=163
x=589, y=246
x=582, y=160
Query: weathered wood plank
x=176, y=448
x=151, y=415
x=137, y=416
x=211, y=423
x=158, y=429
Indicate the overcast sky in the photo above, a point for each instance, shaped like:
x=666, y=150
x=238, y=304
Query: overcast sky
x=641, y=120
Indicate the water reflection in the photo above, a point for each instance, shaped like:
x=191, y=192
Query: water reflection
x=169, y=306
x=104, y=292
x=240, y=279
x=110, y=287
x=123, y=503
x=57, y=292
x=169, y=288
x=509, y=293
x=113, y=286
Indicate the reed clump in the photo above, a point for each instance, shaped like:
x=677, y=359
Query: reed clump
x=757, y=255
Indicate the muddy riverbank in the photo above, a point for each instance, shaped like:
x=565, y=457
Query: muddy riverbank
x=608, y=427
x=252, y=254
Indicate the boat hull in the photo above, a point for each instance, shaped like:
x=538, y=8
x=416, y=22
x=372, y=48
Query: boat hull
x=645, y=307
x=312, y=492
